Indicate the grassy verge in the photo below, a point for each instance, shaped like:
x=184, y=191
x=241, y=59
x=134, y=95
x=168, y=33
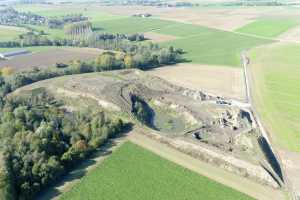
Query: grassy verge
x=276, y=74
x=135, y=173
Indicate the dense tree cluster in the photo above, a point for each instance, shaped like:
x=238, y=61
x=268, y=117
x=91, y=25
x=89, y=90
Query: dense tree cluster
x=59, y=22
x=78, y=29
x=42, y=141
x=97, y=40
x=12, y=17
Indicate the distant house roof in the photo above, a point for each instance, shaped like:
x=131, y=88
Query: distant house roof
x=14, y=53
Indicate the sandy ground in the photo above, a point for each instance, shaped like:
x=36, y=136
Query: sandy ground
x=49, y=58
x=291, y=165
x=292, y=35
x=239, y=183
x=157, y=37
x=224, y=81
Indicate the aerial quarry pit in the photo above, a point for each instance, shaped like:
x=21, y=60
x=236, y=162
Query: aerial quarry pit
x=207, y=127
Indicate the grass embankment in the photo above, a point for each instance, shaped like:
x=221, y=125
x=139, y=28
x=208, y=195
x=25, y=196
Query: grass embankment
x=268, y=27
x=135, y=173
x=276, y=73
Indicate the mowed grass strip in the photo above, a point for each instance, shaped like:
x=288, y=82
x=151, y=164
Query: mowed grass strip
x=134, y=173
x=268, y=27
x=276, y=73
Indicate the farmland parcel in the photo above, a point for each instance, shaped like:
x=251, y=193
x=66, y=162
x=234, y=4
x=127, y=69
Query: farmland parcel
x=134, y=173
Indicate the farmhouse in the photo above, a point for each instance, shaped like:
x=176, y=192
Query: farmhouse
x=13, y=53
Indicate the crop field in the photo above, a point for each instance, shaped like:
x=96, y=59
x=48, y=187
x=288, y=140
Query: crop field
x=10, y=32
x=132, y=172
x=276, y=76
x=268, y=27
x=50, y=57
x=210, y=46
x=203, y=45
x=57, y=10
x=131, y=25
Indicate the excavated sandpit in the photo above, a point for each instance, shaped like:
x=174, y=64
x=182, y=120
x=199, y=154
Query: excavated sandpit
x=204, y=126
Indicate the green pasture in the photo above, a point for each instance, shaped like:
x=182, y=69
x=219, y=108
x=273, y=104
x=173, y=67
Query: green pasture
x=276, y=74
x=269, y=27
x=135, y=173
x=94, y=13
x=202, y=45
x=8, y=33
x=210, y=46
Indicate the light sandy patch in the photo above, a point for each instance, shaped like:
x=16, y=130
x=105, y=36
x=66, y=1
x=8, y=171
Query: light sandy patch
x=220, y=80
x=220, y=18
x=291, y=35
x=157, y=37
x=291, y=164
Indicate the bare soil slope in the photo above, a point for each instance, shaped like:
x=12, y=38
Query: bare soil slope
x=224, y=81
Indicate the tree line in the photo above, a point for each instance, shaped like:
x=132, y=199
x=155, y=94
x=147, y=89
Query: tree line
x=78, y=29
x=96, y=40
x=60, y=22
x=41, y=141
x=12, y=17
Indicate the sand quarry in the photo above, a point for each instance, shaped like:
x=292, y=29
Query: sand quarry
x=205, y=126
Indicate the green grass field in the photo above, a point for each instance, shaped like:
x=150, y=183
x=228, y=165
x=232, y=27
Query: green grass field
x=130, y=25
x=10, y=32
x=276, y=75
x=93, y=13
x=203, y=45
x=210, y=46
x=268, y=27
x=135, y=173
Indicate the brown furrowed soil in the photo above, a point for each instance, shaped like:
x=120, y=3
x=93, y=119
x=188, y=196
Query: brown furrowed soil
x=49, y=58
x=224, y=81
x=157, y=37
